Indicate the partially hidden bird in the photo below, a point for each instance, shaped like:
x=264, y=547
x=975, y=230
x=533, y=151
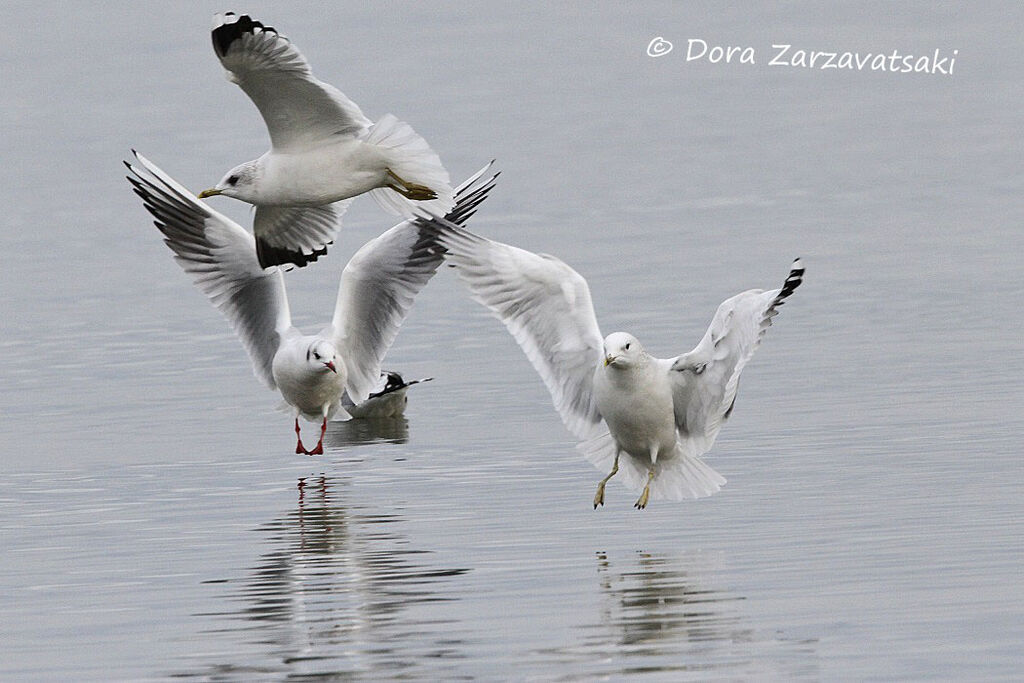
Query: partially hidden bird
x=388, y=399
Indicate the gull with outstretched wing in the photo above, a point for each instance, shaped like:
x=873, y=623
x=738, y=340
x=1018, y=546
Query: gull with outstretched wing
x=323, y=150
x=376, y=292
x=650, y=418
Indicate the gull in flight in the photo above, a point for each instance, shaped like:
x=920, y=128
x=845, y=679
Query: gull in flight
x=323, y=150
x=651, y=418
x=376, y=292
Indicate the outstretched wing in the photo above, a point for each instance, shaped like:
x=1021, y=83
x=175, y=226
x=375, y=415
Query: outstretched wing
x=379, y=283
x=546, y=306
x=221, y=259
x=299, y=110
x=705, y=380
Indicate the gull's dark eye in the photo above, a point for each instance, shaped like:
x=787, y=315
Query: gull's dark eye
x=232, y=180
x=627, y=346
x=316, y=355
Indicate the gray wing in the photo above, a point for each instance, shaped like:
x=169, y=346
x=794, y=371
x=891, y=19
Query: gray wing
x=380, y=282
x=295, y=235
x=221, y=259
x=299, y=110
x=547, y=308
x=705, y=380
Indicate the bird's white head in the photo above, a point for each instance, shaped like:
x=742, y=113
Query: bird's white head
x=241, y=182
x=322, y=356
x=621, y=349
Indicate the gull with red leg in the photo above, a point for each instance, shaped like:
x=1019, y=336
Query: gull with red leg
x=376, y=292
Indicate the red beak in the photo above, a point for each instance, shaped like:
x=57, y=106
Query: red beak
x=330, y=364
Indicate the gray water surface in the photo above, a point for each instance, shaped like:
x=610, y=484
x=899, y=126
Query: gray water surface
x=155, y=523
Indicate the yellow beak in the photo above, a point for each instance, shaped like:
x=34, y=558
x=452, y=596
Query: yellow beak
x=212, y=192
x=608, y=360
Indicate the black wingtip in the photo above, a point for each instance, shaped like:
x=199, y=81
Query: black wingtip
x=793, y=280
x=270, y=255
x=227, y=33
x=394, y=383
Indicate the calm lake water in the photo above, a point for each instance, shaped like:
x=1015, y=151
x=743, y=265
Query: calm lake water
x=155, y=523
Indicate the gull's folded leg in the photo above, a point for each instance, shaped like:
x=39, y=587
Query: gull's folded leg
x=599, y=497
x=409, y=190
x=641, y=503
x=319, y=450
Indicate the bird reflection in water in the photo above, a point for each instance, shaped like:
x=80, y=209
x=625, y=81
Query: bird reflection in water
x=656, y=616
x=337, y=593
x=659, y=615
x=661, y=600
x=368, y=430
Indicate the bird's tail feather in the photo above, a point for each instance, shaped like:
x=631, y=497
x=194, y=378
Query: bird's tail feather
x=685, y=476
x=412, y=160
x=680, y=476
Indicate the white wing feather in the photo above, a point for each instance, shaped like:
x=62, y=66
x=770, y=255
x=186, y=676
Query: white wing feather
x=380, y=282
x=547, y=308
x=299, y=110
x=703, y=401
x=221, y=258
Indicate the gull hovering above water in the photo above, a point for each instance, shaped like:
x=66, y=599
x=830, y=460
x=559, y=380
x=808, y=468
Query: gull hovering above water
x=654, y=418
x=375, y=294
x=323, y=150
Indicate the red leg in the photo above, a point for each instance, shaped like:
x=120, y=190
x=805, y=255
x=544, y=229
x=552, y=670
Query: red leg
x=319, y=450
x=299, y=448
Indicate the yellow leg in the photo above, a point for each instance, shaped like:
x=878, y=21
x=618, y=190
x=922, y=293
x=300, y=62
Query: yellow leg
x=641, y=503
x=599, y=497
x=409, y=190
